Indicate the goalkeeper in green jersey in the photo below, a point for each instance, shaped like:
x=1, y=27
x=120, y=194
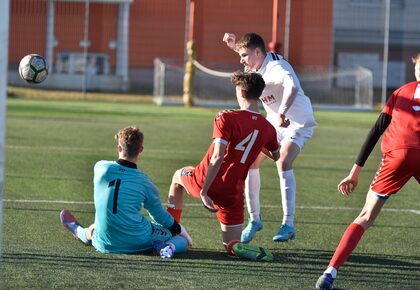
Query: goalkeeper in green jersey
x=121, y=190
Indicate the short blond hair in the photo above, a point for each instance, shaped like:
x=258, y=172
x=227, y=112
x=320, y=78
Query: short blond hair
x=416, y=58
x=131, y=140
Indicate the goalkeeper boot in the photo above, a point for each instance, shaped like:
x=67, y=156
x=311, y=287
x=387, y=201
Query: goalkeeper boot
x=284, y=233
x=249, y=252
x=251, y=229
x=325, y=282
x=167, y=252
x=70, y=222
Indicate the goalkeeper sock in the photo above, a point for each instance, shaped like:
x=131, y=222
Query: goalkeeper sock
x=81, y=234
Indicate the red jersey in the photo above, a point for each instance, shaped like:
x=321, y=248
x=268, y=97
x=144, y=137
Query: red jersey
x=404, y=130
x=245, y=133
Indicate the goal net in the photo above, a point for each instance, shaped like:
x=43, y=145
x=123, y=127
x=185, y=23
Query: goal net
x=327, y=88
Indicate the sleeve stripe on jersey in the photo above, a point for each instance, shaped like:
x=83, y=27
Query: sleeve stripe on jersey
x=220, y=140
x=274, y=56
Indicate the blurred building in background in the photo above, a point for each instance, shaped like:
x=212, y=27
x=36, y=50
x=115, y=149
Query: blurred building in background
x=111, y=45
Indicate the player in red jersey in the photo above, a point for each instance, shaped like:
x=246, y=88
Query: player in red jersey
x=219, y=179
x=400, y=161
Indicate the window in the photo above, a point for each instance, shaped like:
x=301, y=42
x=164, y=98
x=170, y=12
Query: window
x=377, y=3
x=73, y=63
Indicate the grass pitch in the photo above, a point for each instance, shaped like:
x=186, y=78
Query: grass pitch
x=52, y=146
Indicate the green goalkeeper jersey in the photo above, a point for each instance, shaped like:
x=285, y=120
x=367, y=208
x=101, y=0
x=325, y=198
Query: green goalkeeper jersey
x=120, y=192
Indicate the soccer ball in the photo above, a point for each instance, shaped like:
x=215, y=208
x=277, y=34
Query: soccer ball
x=33, y=68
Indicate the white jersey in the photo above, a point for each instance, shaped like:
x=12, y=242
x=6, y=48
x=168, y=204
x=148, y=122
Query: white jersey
x=274, y=70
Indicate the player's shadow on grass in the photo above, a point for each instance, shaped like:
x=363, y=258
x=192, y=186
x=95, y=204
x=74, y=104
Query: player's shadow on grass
x=292, y=263
x=192, y=262
x=365, y=268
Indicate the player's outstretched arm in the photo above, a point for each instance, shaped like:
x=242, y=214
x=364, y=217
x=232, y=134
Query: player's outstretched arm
x=230, y=40
x=348, y=184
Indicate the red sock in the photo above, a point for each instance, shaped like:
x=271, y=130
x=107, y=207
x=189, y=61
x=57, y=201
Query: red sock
x=175, y=213
x=348, y=243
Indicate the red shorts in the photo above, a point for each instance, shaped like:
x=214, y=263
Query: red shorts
x=396, y=168
x=231, y=210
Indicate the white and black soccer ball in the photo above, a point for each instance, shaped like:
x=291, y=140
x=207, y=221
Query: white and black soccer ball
x=33, y=68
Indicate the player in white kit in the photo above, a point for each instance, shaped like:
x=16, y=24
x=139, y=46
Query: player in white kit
x=290, y=112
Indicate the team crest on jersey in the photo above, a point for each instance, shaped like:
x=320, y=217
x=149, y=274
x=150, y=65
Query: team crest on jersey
x=222, y=112
x=268, y=99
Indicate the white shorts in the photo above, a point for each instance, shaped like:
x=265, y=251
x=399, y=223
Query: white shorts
x=299, y=136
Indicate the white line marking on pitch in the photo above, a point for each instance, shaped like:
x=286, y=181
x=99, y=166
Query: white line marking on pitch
x=151, y=150
x=414, y=211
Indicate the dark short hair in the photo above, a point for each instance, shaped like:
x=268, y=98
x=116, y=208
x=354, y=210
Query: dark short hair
x=252, y=83
x=131, y=140
x=251, y=40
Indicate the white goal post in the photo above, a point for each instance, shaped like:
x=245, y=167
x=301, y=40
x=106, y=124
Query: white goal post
x=327, y=88
x=4, y=40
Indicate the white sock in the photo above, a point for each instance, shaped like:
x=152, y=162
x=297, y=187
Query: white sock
x=252, y=193
x=331, y=270
x=81, y=234
x=288, y=191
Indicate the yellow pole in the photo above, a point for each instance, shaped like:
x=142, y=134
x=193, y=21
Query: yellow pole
x=189, y=75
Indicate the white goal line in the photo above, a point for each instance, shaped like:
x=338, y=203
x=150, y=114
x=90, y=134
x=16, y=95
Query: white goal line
x=414, y=211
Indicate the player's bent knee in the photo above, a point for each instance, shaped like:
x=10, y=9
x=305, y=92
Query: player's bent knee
x=176, y=178
x=283, y=168
x=254, y=166
x=257, y=163
x=365, y=219
x=180, y=243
